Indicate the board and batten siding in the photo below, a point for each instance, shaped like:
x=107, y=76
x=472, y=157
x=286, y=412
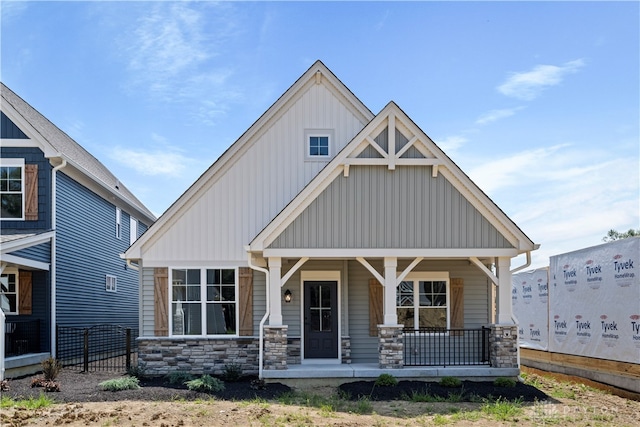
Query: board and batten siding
x=87, y=251
x=375, y=207
x=235, y=207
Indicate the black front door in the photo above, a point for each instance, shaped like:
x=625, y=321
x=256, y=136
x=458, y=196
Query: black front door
x=320, y=320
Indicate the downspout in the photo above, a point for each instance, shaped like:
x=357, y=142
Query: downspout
x=266, y=313
x=54, y=255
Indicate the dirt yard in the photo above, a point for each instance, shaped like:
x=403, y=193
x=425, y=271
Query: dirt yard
x=541, y=400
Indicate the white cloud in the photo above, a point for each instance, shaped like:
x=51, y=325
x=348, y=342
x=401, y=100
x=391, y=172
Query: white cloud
x=451, y=143
x=152, y=163
x=529, y=84
x=495, y=115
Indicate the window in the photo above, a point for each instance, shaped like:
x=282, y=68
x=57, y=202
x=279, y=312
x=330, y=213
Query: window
x=204, y=301
x=118, y=223
x=111, y=283
x=422, y=301
x=9, y=293
x=318, y=144
x=12, y=189
x=133, y=230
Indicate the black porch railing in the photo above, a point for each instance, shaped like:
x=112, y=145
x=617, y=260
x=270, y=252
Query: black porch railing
x=21, y=337
x=97, y=348
x=446, y=347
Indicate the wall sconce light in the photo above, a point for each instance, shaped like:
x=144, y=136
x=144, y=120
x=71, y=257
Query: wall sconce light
x=287, y=296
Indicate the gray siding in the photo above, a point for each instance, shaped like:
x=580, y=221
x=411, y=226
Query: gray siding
x=379, y=208
x=147, y=314
x=41, y=253
x=87, y=251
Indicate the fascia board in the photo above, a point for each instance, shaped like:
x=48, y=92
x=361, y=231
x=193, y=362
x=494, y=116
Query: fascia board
x=26, y=242
x=24, y=125
x=437, y=253
x=26, y=262
x=242, y=144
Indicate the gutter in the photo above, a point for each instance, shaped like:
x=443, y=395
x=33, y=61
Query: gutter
x=54, y=254
x=266, y=312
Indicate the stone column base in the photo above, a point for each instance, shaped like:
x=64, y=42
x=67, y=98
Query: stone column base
x=275, y=347
x=503, y=344
x=390, y=347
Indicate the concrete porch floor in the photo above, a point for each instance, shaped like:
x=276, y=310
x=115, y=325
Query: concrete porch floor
x=341, y=373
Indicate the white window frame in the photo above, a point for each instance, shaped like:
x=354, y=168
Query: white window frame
x=133, y=230
x=428, y=276
x=118, y=223
x=111, y=283
x=203, y=300
x=308, y=133
x=13, y=271
x=16, y=163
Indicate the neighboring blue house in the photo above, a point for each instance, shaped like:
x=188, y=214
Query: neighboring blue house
x=65, y=221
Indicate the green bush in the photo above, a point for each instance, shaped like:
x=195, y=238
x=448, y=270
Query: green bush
x=386, y=380
x=450, y=382
x=119, y=384
x=51, y=368
x=232, y=372
x=206, y=384
x=504, y=382
x=179, y=377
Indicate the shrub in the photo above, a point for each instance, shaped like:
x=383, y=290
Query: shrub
x=450, y=382
x=258, y=384
x=504, y=382
x=232, y=372
x=135, y=371
x=206, y=384
x=4, y=385
x=51, y=368
x=47, y=385
x=118, y=384
x=386, y=380
x=179, y=377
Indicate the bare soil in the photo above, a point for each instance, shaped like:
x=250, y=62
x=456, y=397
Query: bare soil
x=541, y=400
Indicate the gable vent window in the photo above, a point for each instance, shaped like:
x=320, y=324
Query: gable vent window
x=318, y=144
x=111, y=283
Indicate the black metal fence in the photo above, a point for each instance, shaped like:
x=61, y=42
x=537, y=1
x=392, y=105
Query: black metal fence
x=97, y=348
x=21, y=337
x=446, y=347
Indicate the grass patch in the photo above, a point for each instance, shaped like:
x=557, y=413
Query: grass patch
x=41, y=401
x=503, y=410
x=119, y=384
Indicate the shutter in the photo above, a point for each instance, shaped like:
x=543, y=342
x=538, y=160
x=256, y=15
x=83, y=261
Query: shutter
x=457, y=305
x=25, y=293
x=161, y=303
x=376, y=309
x=245, y=301
x=31, y=192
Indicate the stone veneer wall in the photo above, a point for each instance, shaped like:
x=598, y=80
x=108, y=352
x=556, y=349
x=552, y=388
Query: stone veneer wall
x=160, y=356
x=503, y=344
x=275, y=347
x=293, y=351
x=345, y=344
x=390, y=347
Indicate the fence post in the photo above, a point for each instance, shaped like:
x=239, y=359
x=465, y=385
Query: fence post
x=128, y=349
x=86, y=350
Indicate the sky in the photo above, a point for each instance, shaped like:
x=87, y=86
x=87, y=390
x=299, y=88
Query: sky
x=538, y=102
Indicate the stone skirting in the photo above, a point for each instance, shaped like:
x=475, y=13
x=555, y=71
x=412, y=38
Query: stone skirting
x=390, y=347
x=345, y=348
x=293, y=351
x=275, y=347
x=503, y=343
x=198, y=355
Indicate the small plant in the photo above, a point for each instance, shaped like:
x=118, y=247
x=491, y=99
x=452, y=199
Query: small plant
x=119, y=384
x=206, y=384
x=504, y=382
x=51, y=368
x=135, y=371
x=258, y=384
x=4, y=385
x=179, y=377
x=363, y=406
x=386, y=380
x=31, y=403
x=232, y=372
x=47, y=385
x=450, y=382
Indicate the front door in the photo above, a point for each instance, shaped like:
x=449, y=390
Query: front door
x=320, y=320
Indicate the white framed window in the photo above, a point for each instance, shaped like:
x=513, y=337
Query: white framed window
x=422, y=300
x=118, y=223
x=12, y=189
x=111, y=283
x=204, y=301
x=9, y=292
x=133, y=230
x=319, y=144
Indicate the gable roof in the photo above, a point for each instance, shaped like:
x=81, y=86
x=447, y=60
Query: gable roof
x=424, y=152
x=57, y=144
x=317, y=73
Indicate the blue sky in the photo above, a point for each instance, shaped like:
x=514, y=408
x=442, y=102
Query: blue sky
x=538, y=102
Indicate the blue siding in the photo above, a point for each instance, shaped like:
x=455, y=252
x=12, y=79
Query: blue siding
x=8, y=129
x=40, y=253
x=87, y=251
x=32, y=155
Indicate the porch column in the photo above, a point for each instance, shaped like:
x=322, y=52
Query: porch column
x=504, y=291
x=275, y=301
x=390, y=283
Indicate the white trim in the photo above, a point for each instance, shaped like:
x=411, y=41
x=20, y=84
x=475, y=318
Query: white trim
x=14, y=271
x=118, y=223
x=19, y=163
x=329, y=134
x=381, y=253
x=329, y=276
x=111, y=283
x=133, y=230
x=25, y=262
x=428, y=276
x=26, y=242
x=19, y=143
x=26, y=128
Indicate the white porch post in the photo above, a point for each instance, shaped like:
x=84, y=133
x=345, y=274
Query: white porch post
x=275, y=282
x=505, y=314
x=390, y=283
